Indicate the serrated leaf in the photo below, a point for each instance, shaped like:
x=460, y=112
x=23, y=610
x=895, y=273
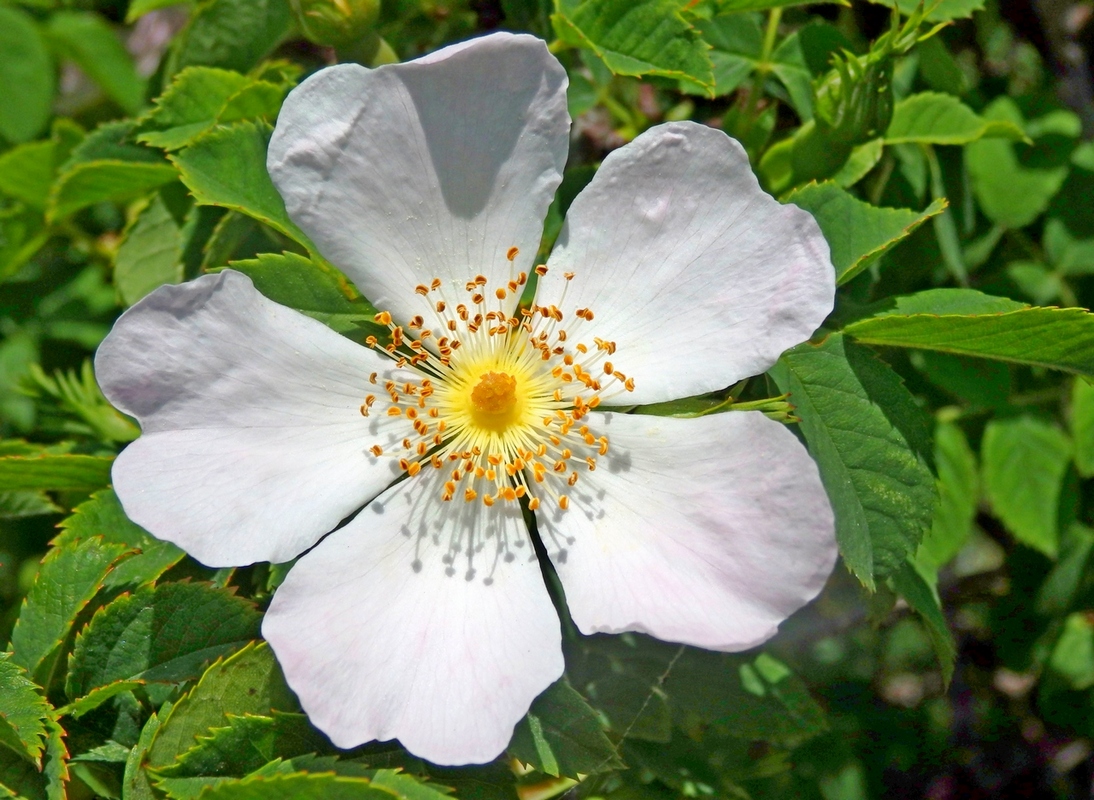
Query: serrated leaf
x=1009, y=193
x=1057, y=338
x=150, y=254
x=299, y=786
x=54, y=472
x=26, y=76
x=67, y=580
x=201, y=97
x=22, y=778
x=103, y=516
x=23, y=711
x=135, y=782
x=248, y=682
x=910, y=585
x=563, y=735
x=736, y=43
x=96, y=697
x=958, y=496
x=231, y=34
x=871, y=444
x=246, y=743
x=26, y=503
x=636, y=37
x=936, y=118
x=161, y=634
x=227, y=168
x=857, y=232
x=1024, y=460
x=937, y=10
x=87, y=39
x=315, y=288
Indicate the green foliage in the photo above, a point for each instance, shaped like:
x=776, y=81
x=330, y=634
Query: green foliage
x=128, y=175
x=872, y=447
x=227, y=167
x=648, y=37
x=68, y=578
x=163, y=634
x=1024, y=461
x=26, y=76
x=857, y=232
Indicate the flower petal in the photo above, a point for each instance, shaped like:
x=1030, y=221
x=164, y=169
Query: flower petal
x=706, y=531
x=389, y=629
x=253, y=442
x=697, y=275
x=430, y=169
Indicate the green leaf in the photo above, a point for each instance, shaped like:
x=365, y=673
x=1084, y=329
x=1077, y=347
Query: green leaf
x=958, y=496
x=87, y=39
x=26, y=76
x=54, y=472
x=909, y=584
x=863, y=159
x=636, y=37
x=1062, y=585
x=99, y=181
x=857, y=232
x=96, y=697
x=150, y=254
x=20, y=777
x=227, y=167
x=67, y=580
x=246, y=744
x=26, y=172
x=949, y=302
x=26, y=503
x=562, y=735
x=1069, y=255
x=23, y=711
x=871, y=444
x=938, y=10
x=135, y=782
x=1009, y=193
x=230, y=34
x=752, y=698
x=315, y=288
x=165, y=634
x=103, y=516
x=1073, y=655
x=935, y=118
x=248, y=682
x=1024, y=461
x=736, y=43
x=1058, y=338
x=201, y=97
x=1082, y=426
x=299, y=786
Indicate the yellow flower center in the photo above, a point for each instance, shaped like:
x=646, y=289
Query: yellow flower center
x=494, y=402
x=500, y=395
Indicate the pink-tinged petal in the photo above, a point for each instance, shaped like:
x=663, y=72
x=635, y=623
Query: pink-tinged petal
x=434, y=168
x=706, y=531
x=390, y=629
x=253, y=442
x=697, y=275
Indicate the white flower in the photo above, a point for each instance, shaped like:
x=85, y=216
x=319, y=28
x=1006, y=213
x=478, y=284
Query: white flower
x=425, y=617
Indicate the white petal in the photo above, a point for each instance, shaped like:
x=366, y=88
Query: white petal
x=706, y=531
x=388, y=629
x=430, y=169
x=697, y=275
x=253, y=442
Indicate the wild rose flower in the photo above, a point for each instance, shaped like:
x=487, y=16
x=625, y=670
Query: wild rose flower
x=425, y=617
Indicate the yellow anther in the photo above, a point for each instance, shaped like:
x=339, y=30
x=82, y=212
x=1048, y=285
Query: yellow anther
x=513, y=253
x=533, y=504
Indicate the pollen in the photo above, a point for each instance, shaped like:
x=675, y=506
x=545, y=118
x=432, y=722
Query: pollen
x=501, y=402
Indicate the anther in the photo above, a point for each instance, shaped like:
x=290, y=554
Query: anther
x=513, y=253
